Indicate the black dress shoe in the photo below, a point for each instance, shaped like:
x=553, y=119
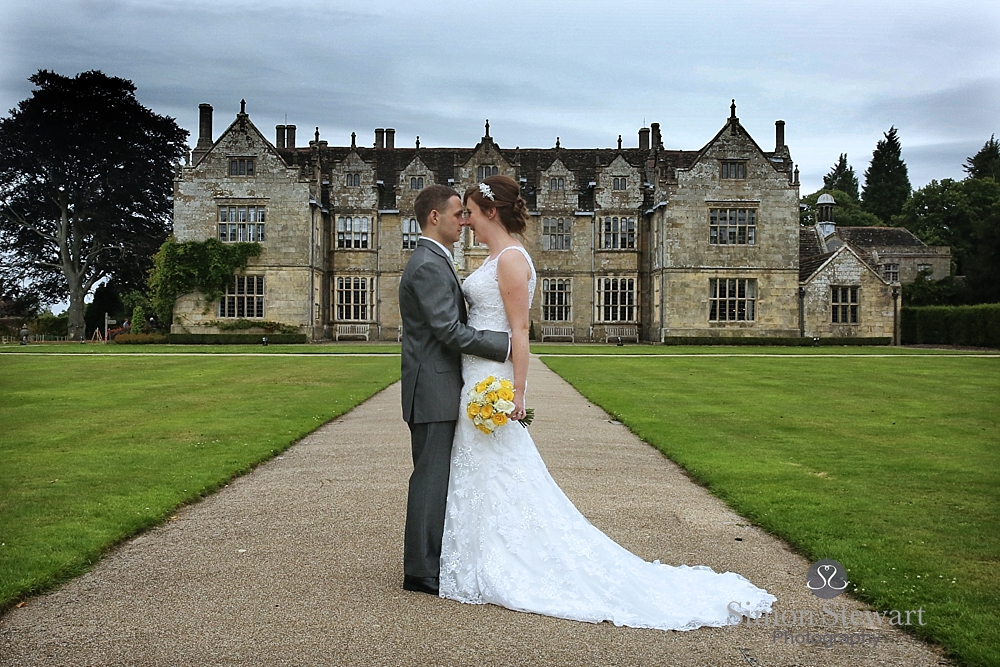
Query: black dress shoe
x=421, y=584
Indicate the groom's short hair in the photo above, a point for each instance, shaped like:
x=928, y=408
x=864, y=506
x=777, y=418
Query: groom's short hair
x=432, y=198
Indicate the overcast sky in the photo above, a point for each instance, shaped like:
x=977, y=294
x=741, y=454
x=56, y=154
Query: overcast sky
x=839, y=73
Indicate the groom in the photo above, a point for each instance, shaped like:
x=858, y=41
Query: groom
x=435, y=336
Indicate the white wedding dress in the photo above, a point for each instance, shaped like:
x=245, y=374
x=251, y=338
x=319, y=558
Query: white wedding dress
x=513, y=538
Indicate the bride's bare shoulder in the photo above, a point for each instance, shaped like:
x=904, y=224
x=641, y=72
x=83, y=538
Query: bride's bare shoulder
x=514, y=264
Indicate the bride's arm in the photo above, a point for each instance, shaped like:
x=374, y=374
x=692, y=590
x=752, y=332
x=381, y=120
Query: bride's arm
x=513, y=273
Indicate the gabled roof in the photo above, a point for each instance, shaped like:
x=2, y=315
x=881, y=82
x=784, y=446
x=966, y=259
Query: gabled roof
x=778, y=163
x=810, y=266
x=809, y=242
x=873, y=237
x=242, y=122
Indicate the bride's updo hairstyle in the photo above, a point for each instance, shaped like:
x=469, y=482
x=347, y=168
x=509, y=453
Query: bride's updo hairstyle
x=511, y=208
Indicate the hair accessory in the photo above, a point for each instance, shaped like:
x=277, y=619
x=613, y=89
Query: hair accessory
x=487, y=191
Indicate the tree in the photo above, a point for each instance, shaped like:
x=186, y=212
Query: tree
x=964, y=215
x=106, y=300
x=86, y=181
x=985, y=163
x=842, y=178
x=846, y=213
x=16, y=301
x=887, y=184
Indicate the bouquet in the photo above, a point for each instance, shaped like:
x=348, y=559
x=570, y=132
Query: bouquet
x=490, y=404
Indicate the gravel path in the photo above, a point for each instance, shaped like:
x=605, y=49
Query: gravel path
x=300, y=563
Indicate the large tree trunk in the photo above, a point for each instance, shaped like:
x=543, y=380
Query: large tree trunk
x=75, y=267
x=77, y=329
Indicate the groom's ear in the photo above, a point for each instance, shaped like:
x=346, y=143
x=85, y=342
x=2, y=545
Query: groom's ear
x=433, y=218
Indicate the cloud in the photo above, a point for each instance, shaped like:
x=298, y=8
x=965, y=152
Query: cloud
x=585, y=71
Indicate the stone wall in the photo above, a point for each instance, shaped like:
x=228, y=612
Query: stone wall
x=672, y=262
x=686, y=261
x=292, y=226
x=875, y=303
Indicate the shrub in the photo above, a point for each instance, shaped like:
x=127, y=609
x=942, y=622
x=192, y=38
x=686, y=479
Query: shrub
x=264, y=325
x=233, y=339
x=973, y=326
x=140, y=339
x=138, y=320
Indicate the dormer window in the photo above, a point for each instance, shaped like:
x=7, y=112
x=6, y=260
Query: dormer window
x=486, y=171
x=241, y=166
x=417, y=183
x=557, y=184
x=619, y=183
x=733, y=170
x=353, y=180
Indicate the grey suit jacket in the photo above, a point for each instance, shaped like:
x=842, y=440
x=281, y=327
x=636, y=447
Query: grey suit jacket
x=435, y=336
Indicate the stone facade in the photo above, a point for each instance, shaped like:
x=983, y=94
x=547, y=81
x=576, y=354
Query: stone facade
x=292, y=260
x=668, y=242
x=872, y=297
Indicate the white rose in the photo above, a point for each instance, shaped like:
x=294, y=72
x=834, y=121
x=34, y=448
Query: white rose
x=503, y=406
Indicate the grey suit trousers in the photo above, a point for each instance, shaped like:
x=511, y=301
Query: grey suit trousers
x=430, y=443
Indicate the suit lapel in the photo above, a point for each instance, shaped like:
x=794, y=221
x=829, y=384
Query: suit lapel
x=434, y=248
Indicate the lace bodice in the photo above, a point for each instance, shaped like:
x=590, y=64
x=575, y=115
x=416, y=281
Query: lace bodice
x=486, y=310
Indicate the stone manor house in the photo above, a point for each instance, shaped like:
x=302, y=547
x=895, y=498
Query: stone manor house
x=634, y=242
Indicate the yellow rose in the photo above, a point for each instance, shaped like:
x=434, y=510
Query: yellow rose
x=473, y=410
x=483, y=429
x=490, y=380
x=507, y=384
x=499, y=418
x=491, y=397
x=486, y=411
x=506, y=394
x=481, y=387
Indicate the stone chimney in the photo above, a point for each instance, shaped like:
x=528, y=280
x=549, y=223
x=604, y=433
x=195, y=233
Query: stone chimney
x=779, y=135
x=644, y=138
x=289, y=136
x=204, y=132
x=657, y=140
x=379, y=138
x=279, y=136
x=390, y=139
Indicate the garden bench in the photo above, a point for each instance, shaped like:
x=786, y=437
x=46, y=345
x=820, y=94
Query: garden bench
x=558, y=332
x=613, y=332
x=352, y=330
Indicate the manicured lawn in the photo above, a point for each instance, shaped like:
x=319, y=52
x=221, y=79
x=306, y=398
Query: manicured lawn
x=93, y=449
x=740, y=350
x=319, y=348
x=889, y=465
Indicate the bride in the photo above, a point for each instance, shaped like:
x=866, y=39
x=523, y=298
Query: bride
x=511, y=536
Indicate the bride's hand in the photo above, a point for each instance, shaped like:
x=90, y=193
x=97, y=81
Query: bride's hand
x=518, y=412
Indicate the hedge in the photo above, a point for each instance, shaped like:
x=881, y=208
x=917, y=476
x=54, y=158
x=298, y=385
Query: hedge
x=970, y=326
x=234, y=339
x=140, y=339
x=760, y=340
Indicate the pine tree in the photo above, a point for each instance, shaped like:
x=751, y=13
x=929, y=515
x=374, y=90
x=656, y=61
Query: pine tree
x=985, y=163
x=887, y=185
x=842, y=178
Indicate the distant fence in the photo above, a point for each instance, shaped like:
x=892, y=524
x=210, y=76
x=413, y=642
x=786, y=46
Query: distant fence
x=970, y=326
x=32, y=338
